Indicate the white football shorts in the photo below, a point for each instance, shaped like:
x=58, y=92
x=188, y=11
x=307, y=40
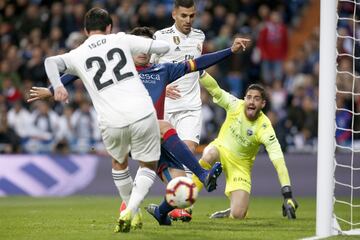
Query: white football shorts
x=186, y=123
x=141, y=138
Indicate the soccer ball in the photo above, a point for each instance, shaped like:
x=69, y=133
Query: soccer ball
x=181, y=192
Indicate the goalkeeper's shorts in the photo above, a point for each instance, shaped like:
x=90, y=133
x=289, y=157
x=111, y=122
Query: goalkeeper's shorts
x=237, y=176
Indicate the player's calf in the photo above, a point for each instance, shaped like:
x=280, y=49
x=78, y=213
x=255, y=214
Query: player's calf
x=238, y=213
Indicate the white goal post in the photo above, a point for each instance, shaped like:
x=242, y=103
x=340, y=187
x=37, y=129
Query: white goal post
x=326, y=132
x=328, y=164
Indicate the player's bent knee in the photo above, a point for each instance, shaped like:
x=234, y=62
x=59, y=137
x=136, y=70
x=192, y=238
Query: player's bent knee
x=191, y=145
x=210, y=154
x=151, y=165
x=164, y=126
x=119, y=166
x=238, y=213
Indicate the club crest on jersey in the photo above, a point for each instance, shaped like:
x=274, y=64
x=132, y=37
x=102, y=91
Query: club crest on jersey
x=176, y=40
x=250, y=132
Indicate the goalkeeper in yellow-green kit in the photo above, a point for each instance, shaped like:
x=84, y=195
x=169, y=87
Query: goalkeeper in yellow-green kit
x=245, y=128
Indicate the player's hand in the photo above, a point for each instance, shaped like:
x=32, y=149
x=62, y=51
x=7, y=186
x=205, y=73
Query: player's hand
x=289, y=208
x=290, y=205
x=38, y=93
x=172, y=92
x=61, y=95
x=239, y=44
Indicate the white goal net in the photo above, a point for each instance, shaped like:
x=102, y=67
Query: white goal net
x=346, y=199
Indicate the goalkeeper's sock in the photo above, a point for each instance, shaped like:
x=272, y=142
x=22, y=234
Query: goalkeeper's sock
x=143, y=181
x=123, y=182
x=196, y=180
x=178, y=149
x=165, y=208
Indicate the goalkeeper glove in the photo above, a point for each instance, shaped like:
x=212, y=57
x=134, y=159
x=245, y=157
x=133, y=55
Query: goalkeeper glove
x=290, y=205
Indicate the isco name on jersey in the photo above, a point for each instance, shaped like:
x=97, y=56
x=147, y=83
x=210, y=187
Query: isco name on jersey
x=97, y=43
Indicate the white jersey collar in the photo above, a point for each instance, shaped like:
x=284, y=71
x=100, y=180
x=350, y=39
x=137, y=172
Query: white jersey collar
x=95, y=36
x=180, y=33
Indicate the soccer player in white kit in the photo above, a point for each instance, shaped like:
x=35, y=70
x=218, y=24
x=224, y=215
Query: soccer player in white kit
x=127, y=118
x=184, y=113
x=185, y=43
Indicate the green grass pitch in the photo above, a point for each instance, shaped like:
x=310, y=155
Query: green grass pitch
x=88, y=217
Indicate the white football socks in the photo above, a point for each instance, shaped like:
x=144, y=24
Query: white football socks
x=124, y=183
x=143, y=181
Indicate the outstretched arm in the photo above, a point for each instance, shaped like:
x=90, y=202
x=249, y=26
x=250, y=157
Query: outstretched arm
x=207, y=60
x=210, y=59
x=220, y=96
x=289, y=205
x=66, y=79
x=159, y=47
x=38, y=93
x=268, y=138
x=53, y=66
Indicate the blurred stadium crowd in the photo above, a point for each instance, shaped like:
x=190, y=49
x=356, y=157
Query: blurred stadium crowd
x=30, y=30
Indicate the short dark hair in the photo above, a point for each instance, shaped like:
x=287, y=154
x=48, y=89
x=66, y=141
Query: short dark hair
x=97, y=19
x=143, y=31
x=184, y=3
x=259, y=88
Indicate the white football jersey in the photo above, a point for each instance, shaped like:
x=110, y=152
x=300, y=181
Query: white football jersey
x=104, y=63
x=182, y=47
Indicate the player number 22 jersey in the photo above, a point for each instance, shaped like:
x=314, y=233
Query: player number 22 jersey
x=104, y=63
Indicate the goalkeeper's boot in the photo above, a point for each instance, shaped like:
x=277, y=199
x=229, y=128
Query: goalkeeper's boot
x=153, y=209
x=210, y=180
x=221, y=214
x=136, y=222
x=181, y=214
x=124, y=222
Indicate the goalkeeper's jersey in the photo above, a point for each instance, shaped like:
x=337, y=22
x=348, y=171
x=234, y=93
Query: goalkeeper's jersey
x=243, y=137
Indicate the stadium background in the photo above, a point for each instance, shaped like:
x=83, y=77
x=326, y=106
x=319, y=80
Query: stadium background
x=31, y=30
